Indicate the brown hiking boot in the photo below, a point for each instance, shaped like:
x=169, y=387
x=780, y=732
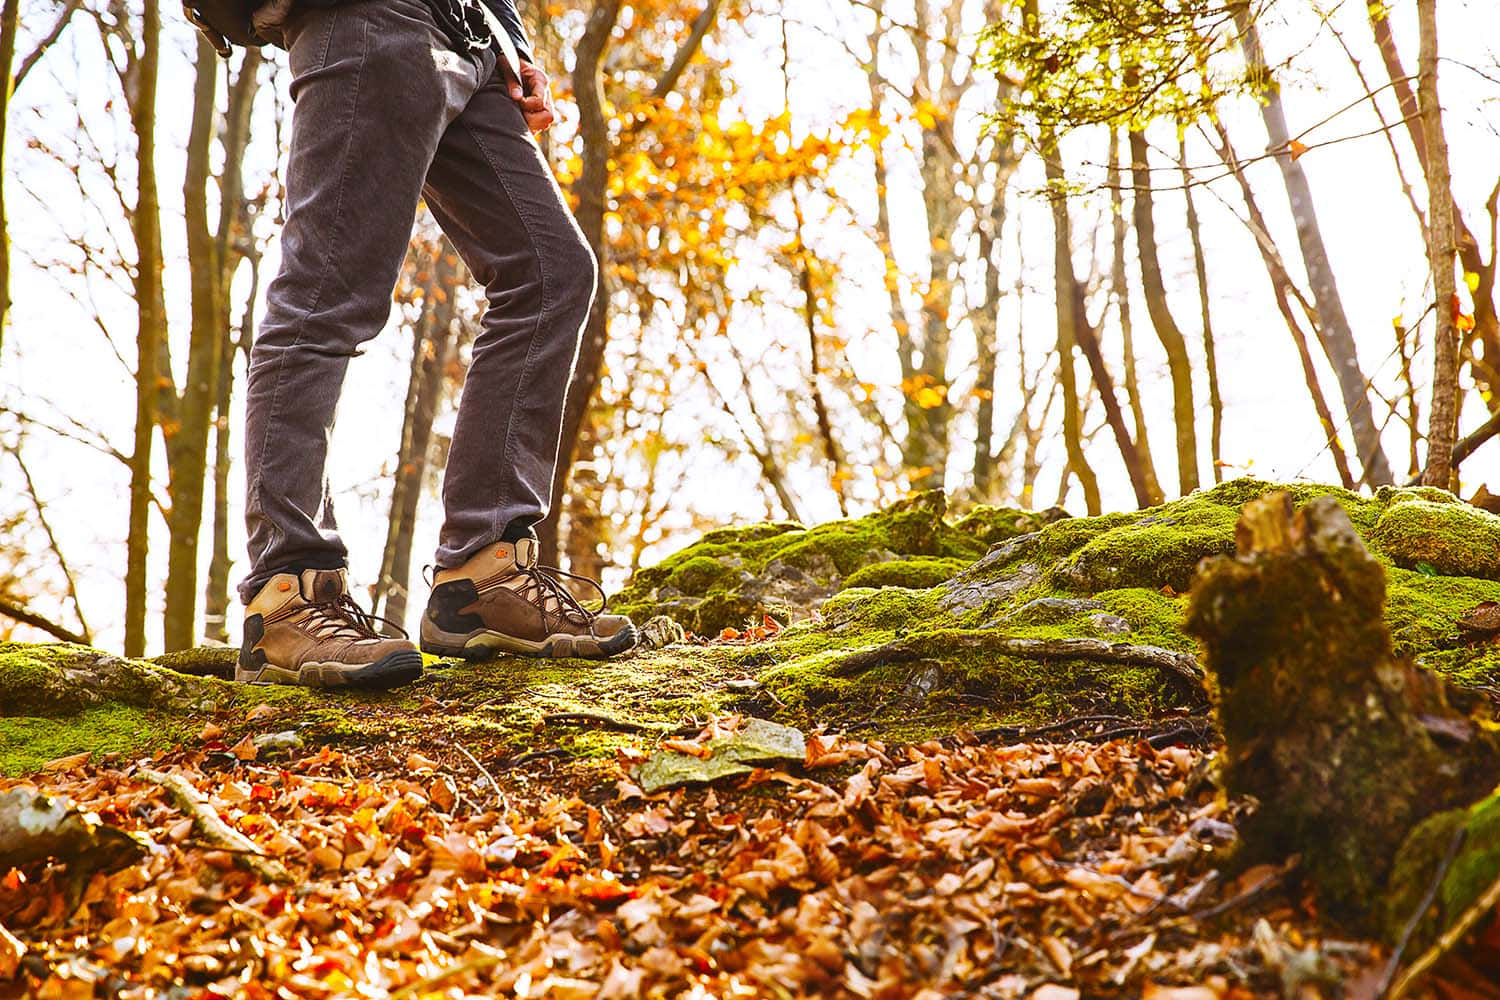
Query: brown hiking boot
x=306, y=629
x=501, y=601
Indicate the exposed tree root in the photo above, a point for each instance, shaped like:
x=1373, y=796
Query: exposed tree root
x=1180, y=666
x=34, y=827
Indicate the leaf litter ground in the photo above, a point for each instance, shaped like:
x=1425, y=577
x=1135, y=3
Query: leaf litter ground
x=952, y=868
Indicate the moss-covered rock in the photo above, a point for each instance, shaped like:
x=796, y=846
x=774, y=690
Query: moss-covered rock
x=918, y=573
x=733, y=575
x=1473, y=869
x=901, y=574
x=1443, y=536
x=998, y=524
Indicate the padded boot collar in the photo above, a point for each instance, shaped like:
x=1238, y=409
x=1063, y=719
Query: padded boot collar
x=324, y=586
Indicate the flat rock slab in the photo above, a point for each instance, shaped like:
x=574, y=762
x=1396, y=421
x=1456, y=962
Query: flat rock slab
x=757, y=742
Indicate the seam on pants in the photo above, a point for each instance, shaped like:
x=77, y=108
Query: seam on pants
x=507, y=444
x=323, y=269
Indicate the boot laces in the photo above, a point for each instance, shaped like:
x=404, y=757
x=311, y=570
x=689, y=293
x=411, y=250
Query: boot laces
x=342, y=618
x=543, y=588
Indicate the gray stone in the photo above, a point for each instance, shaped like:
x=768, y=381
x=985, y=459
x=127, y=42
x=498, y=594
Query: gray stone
x=660, y=631
x=975, y=588
x=1049, y=610
x=757, y=742
x=795, y=587
x=1109, y=624
x=923, y=682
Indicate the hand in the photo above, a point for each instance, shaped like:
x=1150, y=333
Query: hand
x=533, y=92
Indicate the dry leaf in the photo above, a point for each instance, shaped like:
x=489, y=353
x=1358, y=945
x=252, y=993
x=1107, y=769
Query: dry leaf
x=245, y=749
x=69, y=762
x=12, y=950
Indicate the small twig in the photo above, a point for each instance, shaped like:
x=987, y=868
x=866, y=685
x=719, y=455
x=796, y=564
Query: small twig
x=1465, y=923
x=1454, y=843
x=598, y=719
x=213, y=828
x=529, y=756
x=422, y=986
x=499, y=795
x=1252, y=893
x=210, y=846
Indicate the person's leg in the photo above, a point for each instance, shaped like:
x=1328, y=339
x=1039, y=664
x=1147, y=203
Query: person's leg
x=376, y=86
x=495, y=197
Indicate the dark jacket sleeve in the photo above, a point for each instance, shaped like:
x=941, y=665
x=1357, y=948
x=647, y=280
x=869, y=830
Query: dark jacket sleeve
x=505, y=10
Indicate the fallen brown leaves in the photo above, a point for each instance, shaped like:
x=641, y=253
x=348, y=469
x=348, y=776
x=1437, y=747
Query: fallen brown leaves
x=1031, y=870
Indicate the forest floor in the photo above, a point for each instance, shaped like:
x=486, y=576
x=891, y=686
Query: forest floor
x=980, y=763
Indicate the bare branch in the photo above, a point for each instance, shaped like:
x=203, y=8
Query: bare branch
x=35, y=620
x=44, y=43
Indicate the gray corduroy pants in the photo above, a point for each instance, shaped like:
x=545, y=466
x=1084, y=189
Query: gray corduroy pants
x=387, y=113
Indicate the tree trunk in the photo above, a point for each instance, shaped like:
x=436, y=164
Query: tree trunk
x=984, y=320
x=928, y=408
x=591, y=189
x=1442, y=428
x=1345, y=747
x=1210, y=355
x=831, y=454
x=1121, y=287
x=1486, y=367
x=586, y=526
x=435, y=339
x=145, y=224
x=900, y=326
x=10, y=18
x=1282, y=287
x=1068, y=321
x=1088, y=341
x=386, y=581
x=1167, y=331
x=233, y=242
x=187, y=441
x=1334, y=333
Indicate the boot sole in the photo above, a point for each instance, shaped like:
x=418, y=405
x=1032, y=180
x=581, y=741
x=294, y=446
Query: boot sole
x=390, y=671
x=487, y=645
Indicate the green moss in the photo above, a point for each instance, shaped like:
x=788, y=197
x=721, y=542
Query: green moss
x=998, y=524
x=1155, y=619
x=699, y=575
x=1473, y=870
x=843, y=569
x=63, y=679
x=28, y=742
x=1451, y=538
x=950, y=680
x=733, y=575
x=918, y=573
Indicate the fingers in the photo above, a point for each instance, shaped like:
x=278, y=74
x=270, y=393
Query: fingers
x=539, y=119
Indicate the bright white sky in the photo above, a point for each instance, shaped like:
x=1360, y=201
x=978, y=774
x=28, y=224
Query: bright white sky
x=57, y=361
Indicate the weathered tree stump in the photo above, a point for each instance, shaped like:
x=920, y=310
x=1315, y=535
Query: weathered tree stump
x=1346, y=747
